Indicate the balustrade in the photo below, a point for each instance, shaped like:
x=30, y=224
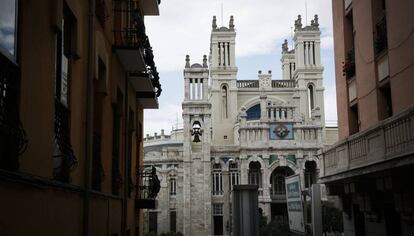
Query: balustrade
x=390, y=139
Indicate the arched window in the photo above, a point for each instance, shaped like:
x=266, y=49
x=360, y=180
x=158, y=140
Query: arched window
x=255, y=174
x=234, y=174
x=310, y=173
x=224, y=103
x=253, y=113
x=311, y=98
x=277, y=180
x=217, y=180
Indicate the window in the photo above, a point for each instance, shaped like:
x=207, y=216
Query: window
x=152, y=222
x=173, y=221
x=234, y=174
x=63, y=157
x=385, y=101
x=12, y=136
x=218, y=218
x=116, y=119
x=217, y=180
x=277, y=180
x=224, y=103
x=173, y=186
x=131, y=126
x=98, y=98
x=353, y=119
x=380, y=26
x=311, y=99
x=255, y=175
x=8, y=28
x=217, y=209
x=253, y=113
x=310, y=173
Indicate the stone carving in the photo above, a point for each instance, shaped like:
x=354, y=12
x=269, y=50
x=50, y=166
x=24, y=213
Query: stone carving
x=187, y=61
x=298, y=23
x=231, y=24
x=285, y=46
x=205, y=61
x=214, y=24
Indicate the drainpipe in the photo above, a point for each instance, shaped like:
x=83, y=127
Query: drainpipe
x=89, y=118
x=124, y=223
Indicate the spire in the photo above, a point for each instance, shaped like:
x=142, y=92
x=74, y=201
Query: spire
x=214, y=24
x=231, y=23
x=187, y=61
x=205, y=61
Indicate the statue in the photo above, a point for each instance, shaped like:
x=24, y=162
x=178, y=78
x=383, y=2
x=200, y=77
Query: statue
x=214, y=24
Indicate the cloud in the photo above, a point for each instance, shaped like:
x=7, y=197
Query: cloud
x=184, y=27
x=330, y=105
x=155, y=120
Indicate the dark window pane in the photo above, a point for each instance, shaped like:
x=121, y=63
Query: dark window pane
x=8, y=26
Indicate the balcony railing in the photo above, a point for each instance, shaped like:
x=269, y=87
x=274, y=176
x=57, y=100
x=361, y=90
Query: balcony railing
x=283, y=83
x=13, y=140
x=129, y=28
x=389, y=140
x=148, y=186
x=247, y=84
x=64, y=159
x=275, y=83
x=132, y=43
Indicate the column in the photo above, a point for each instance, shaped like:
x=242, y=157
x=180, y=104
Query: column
x=318, y=53
x=311, y=48
x=186, y=89
x=199, y=95
x=306, y=53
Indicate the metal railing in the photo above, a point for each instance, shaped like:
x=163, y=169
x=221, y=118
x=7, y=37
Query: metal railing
x=129, y=33
x=148, y=184
x=13, y=141
x=64, y=159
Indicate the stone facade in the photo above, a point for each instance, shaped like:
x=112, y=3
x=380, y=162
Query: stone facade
x=240, y=132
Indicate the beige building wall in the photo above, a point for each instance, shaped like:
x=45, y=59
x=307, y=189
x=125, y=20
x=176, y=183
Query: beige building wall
x=30, y=196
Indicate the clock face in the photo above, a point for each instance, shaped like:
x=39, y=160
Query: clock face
x=281, y=131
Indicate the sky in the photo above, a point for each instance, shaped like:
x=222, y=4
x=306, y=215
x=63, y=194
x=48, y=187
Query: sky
x=184, y=26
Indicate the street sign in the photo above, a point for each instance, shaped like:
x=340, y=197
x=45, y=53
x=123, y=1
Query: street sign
x=294, y=204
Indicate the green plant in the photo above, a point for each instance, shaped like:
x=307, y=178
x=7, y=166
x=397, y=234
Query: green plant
x=331, y=218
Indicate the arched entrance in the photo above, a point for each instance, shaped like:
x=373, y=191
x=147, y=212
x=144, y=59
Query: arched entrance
x=278, y=193
x=311, y=173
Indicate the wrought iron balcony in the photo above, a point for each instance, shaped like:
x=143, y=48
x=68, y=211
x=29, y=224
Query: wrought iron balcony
x=134, y=50
x=63, y=158
x=387, y=143
x=147, y=188
x=13, y=139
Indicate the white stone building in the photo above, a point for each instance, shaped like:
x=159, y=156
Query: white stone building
x=240, y=132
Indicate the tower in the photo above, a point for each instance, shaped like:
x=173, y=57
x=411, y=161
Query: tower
x=196, y=149
x=308, y=69
x=223, y=72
